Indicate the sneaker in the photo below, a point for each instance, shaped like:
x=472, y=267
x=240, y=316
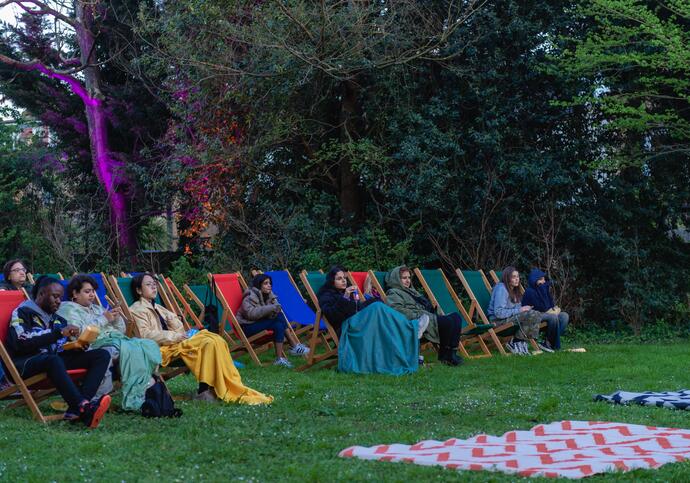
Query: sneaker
x=299, y=350
x=514, y=347
x=93, y=412
x=421, y=360
x=524, y=348
x=423, y=324
x=545, y=346
x=282, y=361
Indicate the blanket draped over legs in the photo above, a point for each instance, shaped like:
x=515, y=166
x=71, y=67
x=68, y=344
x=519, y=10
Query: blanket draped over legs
x=207, y=356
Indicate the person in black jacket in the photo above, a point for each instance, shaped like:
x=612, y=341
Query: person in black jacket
x=35, y=341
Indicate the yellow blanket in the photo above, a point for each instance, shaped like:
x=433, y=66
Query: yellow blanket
x=207, y=356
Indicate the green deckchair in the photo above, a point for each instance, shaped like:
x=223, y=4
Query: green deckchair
x=475, y=287
x=202, y=295
x=313, y=281
x=442, y=294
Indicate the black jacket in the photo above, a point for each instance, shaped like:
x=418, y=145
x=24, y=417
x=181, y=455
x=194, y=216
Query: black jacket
x=33, y=331
x=337, y=308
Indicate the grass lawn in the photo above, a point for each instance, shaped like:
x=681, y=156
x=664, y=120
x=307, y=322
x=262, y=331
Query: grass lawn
x=318, y=413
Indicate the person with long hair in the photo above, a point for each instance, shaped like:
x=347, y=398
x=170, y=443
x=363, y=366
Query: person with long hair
x=374, y=338
x=261, y=310
x=443, y=330
x=135, y=359
x=206, y=354
x=505, y=306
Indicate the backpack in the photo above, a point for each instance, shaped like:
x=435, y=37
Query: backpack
x=158, y=402
x=211, y=321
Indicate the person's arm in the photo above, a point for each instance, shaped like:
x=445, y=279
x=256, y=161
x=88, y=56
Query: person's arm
x=528, y=298
x=503, y=308
x=254, y=311
x=334, y=303
x=150, y=329
x=397, y=302
x=23, y=339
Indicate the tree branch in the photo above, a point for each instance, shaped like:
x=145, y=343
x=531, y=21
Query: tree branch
x=43, y=9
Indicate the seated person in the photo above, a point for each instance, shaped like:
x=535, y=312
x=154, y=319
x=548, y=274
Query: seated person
x=35, y=341
x=373, y=337
x=443, y=330
x=206, y=354
x=505, y=307
x=538, y=296
x=260, y=310
x=15, y=272
x=136, y=359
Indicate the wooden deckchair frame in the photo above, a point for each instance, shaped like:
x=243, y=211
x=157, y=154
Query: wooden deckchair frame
x=254, y=345
x=465, y=339
x=476, y=308
x=330, y=356
x=182, y=306
x=23, y=387
x=32, y=281
x=377, y=285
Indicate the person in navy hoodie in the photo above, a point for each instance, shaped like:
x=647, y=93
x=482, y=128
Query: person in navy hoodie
x=538, y=296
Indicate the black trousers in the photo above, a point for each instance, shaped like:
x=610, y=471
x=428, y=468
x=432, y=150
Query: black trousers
x=449, y=329
x=95, y=361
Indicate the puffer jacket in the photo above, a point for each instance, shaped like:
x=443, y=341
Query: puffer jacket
x=403, y=300
x=254, y=308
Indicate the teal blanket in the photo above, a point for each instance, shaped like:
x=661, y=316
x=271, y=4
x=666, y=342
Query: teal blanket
x=138, y=360
x=378, y=340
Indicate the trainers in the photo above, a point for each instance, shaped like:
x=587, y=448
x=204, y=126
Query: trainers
x=514, y=347
x=299, y=350
x=93, y=412
x=545, y=346
x=282, y=361
x=423, y=324
x=421, y=360
x=524, y=348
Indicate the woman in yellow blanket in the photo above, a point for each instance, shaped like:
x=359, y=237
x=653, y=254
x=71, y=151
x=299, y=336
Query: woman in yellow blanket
x=206, y=354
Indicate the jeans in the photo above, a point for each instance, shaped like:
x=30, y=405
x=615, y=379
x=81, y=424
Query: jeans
x=278, y=325
x=96, y=362
x=449, y=329
x=555, y=328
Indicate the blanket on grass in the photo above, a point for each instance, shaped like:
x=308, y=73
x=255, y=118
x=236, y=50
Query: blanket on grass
x=672, y=400
x=571, y=449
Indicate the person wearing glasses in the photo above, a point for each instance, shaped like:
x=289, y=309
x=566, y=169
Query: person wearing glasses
x=14, y=272
x=205, y=354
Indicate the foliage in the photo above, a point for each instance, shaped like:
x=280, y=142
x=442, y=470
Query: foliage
x=318, y=413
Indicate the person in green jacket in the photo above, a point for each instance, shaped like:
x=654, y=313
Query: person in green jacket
x=443, y=330
x=136, y=359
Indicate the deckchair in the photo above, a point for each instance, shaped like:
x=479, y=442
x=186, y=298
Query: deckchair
x=169, y=301
x=475, y=288
x=442, y=294
x=378, y=282
x=313, y=281
x=34, y=389
x=360, y=280
x=202, y=295
x=182, y=307
x=229, y=289
x=32, y=277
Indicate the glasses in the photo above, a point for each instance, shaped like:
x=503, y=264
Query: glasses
x=18, y=270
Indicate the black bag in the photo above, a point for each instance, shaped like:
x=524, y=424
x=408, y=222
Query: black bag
x=158, y=402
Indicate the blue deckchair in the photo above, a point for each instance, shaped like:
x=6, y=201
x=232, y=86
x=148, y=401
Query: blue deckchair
x=294, y=305
x=100, y=291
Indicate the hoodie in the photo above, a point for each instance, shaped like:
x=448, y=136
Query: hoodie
x=34, y=331
x=538, y=296
x=411, y=304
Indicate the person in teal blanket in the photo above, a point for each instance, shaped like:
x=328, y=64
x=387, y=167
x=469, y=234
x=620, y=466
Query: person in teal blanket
x=374, y=338
x=136, y=359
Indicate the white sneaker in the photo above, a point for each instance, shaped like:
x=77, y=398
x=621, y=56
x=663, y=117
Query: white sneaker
x=282, y=361
x=299, y=350
x=423, y=324
x=524, y=347
x=514, y=347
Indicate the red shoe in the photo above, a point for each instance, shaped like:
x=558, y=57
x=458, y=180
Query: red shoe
x=93, y=412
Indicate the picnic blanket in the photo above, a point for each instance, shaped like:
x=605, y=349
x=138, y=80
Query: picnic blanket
x=570, y=449
x=672, y=400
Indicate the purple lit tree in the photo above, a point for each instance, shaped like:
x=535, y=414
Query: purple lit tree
x=74, y=63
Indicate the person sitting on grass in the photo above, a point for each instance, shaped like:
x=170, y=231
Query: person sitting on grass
x=136, y=359
x=443, y=330
x=505, y=306
x=36, y=336
x=15, y=272
x=260, y=310
x=206, y=354
x=538, y=296
x=374, y=338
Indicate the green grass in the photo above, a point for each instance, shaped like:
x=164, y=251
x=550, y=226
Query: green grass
x=318, y=413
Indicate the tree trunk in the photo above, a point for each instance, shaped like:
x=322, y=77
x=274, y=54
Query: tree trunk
x=350, y=194
x=110, y=171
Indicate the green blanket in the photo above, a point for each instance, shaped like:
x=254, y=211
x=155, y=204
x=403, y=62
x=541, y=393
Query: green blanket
x=378, y=340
